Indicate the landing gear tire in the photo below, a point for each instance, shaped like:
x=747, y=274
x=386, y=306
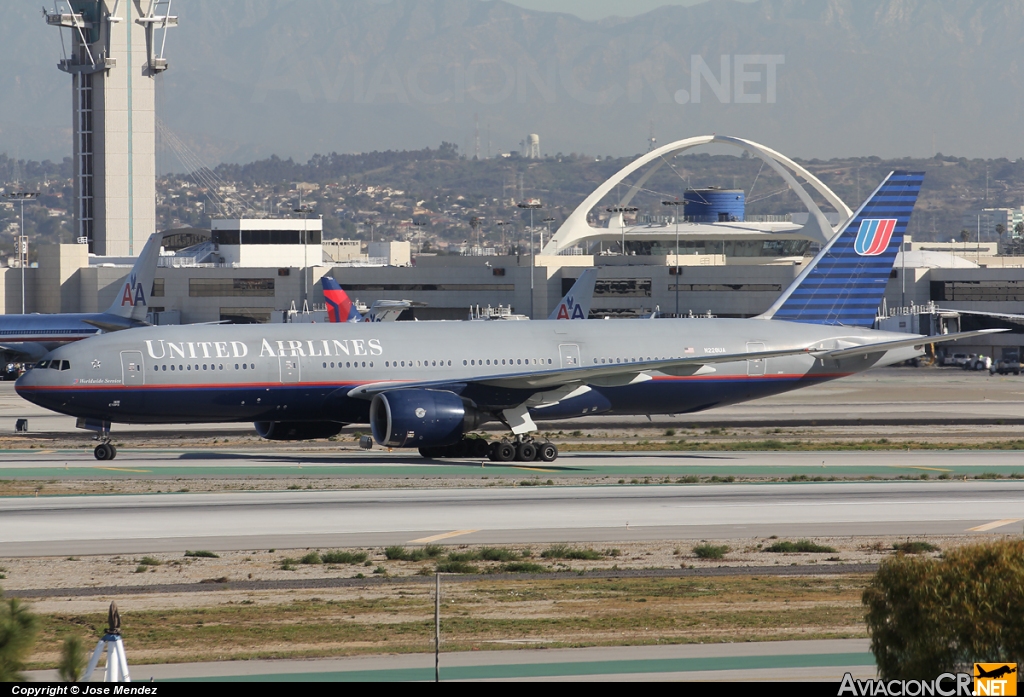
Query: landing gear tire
x=478, y=447
x=547, y=452
x=105, y=451
x=503, y=452
x=526, y=451
x=431, y=453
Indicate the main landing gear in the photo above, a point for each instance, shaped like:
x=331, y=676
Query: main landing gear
x=520, y=449
x=105, y=451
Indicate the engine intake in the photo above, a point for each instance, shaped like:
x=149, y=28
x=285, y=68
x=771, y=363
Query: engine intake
x=297, y=430
x=421, y=418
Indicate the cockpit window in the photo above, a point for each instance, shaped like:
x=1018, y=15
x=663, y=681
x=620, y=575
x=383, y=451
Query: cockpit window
x=65, y=365
x=41, y=364
x=54, y=365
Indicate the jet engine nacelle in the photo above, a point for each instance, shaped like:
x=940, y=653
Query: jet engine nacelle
x=421, y=418
x=297, y=430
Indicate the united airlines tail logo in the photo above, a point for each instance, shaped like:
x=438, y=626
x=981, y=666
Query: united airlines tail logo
x=873, y=237
x=132, y=295
x=570, y=309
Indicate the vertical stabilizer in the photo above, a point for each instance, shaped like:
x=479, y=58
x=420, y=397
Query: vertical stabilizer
x=845, y=283
x=340, y=307
x=132, y=301
x=576, y=303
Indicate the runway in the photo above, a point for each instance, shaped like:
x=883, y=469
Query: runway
x=185, y=463
x=169, y=522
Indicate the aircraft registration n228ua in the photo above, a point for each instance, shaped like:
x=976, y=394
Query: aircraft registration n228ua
x=427, y=384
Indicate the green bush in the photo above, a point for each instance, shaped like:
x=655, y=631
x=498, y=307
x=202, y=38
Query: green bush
x=567, y=552
x=150, y=561
x=787, y=547
x=456, y=567
x=341, y=557
x=497, y=554
x=18, y=628
x=523, y=567
x=312, y=558
x=915, y=547
x=710, y=551
x=202, y=553
x=394, y=552
x=399, y=553
x=927, y=616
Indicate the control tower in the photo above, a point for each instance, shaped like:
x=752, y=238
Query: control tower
x=113, y=50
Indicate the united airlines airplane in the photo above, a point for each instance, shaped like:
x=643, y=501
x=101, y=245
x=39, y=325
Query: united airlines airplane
x=426, y=385
x=32, y=336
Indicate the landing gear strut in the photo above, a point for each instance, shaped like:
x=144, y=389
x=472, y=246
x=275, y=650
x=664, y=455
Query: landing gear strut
x=105, y=451
x=520, y=449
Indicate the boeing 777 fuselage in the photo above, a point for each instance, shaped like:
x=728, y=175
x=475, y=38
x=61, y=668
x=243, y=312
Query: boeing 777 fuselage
x=323, y=374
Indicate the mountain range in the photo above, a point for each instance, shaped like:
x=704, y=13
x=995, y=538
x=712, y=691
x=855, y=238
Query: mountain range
x=810, y=78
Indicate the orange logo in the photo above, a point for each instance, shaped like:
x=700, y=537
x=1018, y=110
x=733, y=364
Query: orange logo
x=995, y=679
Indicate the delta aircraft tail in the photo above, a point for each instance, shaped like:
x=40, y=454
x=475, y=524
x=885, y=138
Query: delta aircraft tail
x=845, y=283
x=576, y=303
x=340, y=307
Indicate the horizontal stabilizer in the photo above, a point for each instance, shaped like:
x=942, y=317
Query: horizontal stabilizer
x=884, y=346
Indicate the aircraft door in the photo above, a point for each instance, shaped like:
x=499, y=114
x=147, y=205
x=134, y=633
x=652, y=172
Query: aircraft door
x=132, y=370
x=756, y=366
x=290, y=371
x=569, y=355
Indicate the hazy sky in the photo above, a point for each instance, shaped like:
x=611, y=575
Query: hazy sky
x=598, y=9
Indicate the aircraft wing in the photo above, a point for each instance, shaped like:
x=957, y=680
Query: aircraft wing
x=1001, y=315
x=882, y=347
x=607, y=375
x=29, y=349
x=114, y=326
x=618, y=374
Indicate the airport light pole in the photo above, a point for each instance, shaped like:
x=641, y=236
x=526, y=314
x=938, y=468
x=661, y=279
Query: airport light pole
x=623, y=209
x=532, y=204
x=675, y=206
x=22, y=196
x=547, y=220
x=305, y=246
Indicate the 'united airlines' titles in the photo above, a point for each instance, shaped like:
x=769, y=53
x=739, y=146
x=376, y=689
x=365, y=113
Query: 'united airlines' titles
x=161, y=348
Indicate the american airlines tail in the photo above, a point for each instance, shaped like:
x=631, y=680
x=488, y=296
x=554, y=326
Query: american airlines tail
x=576, y=303
x=132, y=302
x=340, y=307
x=845, y=283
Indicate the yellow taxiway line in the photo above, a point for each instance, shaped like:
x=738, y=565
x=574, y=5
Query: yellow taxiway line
x=994, y=524
x=443, y=536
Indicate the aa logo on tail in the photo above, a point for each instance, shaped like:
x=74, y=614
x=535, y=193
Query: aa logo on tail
x=570, y=309
x=873, y=237
x=132, y=294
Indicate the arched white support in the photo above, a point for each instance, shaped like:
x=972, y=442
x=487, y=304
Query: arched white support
x=576, y=228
